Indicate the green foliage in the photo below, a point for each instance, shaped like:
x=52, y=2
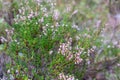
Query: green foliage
x=35, y=45
x=31, y=45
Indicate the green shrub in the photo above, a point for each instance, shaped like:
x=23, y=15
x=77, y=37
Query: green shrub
x=44, y=48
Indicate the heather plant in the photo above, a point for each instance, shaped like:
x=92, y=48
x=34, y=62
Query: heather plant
x=48, y=43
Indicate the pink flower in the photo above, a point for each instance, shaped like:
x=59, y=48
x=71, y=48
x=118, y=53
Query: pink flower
x=56, y=14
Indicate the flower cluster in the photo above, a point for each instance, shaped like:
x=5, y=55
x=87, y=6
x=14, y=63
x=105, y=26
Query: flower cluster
x=62, y=76
x=9, y=34
x=2, y=39
x=56, y=14
x=66, y=50
x=27, y=11
x=78, y=59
